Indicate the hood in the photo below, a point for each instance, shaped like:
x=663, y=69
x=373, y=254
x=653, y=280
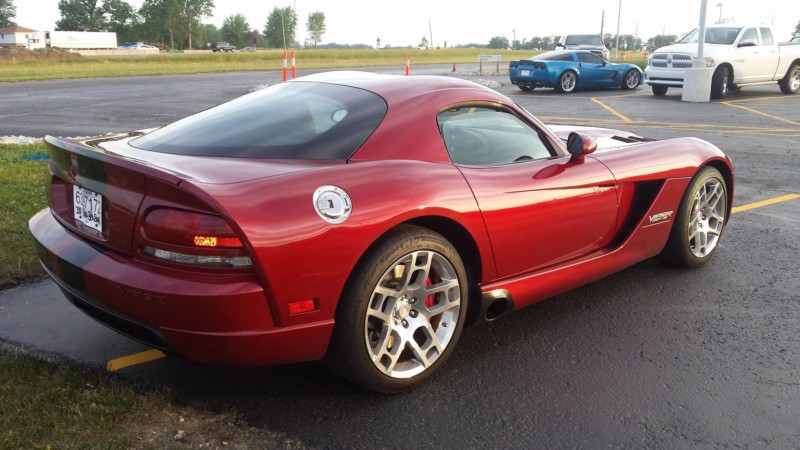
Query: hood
x=685, y=48
x=606, y=138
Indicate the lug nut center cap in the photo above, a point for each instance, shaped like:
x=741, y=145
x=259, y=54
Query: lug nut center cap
x=402, y=310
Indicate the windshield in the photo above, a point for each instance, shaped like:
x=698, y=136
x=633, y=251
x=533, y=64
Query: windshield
x=724, y=36
x=297, y=120
x=583, y=39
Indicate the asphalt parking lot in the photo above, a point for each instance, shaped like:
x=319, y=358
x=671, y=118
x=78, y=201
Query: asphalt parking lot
x=651, y=357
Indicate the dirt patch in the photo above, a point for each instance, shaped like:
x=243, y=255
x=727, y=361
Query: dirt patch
x=20, y=54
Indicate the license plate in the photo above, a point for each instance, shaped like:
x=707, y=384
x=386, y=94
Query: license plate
x=525, y=73
x=88, y=208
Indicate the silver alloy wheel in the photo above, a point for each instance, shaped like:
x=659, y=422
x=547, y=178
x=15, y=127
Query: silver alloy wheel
x=707, y=217
x=412, y=314
x=568, y=81
x=632, y=80
x=794, y=82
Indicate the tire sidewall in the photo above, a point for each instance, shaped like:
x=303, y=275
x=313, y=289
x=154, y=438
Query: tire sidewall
x=678, y=249
x=559, y=86
x=348, y=354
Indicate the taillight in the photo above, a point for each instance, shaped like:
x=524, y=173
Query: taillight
x=193, y=238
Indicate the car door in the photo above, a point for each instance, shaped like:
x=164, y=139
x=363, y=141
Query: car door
x=595, y=72
x=540, y=206
x=747, y=61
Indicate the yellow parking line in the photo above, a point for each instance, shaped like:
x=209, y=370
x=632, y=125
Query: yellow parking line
x=611, y=110
x=762, y=113
x=132, y=360
x=771, y=201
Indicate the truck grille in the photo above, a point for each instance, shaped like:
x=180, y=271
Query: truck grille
x=671, y=60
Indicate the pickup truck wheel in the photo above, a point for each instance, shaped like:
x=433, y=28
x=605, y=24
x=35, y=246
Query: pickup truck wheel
x=659, y=90
x=719, y=83
x=790, y=84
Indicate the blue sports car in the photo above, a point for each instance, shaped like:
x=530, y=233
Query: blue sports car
x=569, y=70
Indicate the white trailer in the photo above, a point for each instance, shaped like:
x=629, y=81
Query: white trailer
x=73, y=39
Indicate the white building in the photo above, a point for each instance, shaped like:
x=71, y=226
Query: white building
x=14, y=36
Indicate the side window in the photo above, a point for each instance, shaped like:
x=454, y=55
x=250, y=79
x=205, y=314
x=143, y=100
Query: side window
x=766, y=36
x=749, y=36
x=478, y=136
x=589, y=58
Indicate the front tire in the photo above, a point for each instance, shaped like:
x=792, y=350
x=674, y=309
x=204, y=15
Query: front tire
x=631, y=80
x=659, y=89
x=702, y=214
x=567, y=81
x=790, y=84
x=719, y=83
x=401, y=312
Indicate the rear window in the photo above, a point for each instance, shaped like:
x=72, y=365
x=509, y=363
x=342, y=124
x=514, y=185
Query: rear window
x=297, y=120
x=554, y=56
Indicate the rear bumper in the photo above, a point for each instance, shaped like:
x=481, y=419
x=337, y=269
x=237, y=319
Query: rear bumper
x=205, y=318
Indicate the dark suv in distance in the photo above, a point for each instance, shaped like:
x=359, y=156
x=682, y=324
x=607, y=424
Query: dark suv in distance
x=222, y=47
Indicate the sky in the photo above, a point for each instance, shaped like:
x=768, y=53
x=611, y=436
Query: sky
x=451, y=22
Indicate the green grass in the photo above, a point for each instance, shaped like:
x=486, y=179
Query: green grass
x=23, y=178
x=206, y=62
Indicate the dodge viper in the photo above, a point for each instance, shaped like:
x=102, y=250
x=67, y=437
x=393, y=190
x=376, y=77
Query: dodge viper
x=362, y=220
x=567, y=71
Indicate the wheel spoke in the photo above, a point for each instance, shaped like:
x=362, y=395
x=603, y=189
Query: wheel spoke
x=421, y=350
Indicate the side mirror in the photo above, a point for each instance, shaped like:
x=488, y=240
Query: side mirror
x=747, y=44
x=580, y=145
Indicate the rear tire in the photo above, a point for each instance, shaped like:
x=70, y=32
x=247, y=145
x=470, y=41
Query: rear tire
x=567, y=81
x=401, y=313
x=702, y=214
x=719, y=83
x=790, y=84
x=659, y=89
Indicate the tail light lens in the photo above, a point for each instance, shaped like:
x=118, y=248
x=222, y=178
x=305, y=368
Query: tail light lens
x=187, y=237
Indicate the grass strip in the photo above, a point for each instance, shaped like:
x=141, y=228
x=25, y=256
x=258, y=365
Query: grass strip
x=23, y=178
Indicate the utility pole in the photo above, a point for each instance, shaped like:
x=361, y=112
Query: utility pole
x=430, y=29
x=619, y=15
x=602, y=22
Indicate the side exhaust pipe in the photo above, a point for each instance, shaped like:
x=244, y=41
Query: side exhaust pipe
x=495, y=304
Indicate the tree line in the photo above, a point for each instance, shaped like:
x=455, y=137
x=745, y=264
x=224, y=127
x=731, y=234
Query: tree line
x=177, y=24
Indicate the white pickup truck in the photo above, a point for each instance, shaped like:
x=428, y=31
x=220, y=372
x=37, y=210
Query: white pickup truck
x=742, y=56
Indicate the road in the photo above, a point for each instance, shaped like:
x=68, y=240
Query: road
x=651, y=357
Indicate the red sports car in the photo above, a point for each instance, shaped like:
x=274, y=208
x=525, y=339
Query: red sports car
x=361, y=219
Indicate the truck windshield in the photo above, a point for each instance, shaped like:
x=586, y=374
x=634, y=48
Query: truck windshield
x=583, y=39
x=724, y=36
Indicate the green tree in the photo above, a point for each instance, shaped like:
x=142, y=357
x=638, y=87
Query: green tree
x=797, y=28
x=7, y=12
x=80, y=15
x=499, y=42
x=161, y=20
x=210, y=33
x=120, y=17
x=281, y=26
x=235, y=30
x=316, y=26
x=660, y=40
x=192, y=11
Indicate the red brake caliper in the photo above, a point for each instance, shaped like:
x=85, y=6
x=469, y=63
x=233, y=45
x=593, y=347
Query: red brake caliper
x=430, y=298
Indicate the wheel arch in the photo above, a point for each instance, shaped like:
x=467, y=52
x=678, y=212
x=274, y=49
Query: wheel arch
x=457, y=235
x=727, y=174
x=731, y=70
